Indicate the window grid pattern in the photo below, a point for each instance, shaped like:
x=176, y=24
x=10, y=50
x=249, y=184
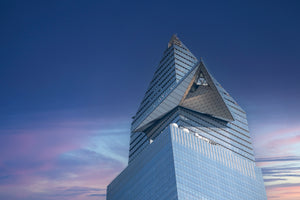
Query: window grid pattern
x=152, y=178
x=209, y=172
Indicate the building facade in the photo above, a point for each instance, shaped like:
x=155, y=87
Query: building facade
x=189, y=139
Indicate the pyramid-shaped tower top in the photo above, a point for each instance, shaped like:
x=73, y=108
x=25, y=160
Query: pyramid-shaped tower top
x=182, y=80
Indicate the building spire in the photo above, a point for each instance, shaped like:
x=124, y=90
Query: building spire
x=174, y=40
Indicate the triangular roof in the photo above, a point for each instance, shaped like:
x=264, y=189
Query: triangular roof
x=188, y=84
x=204, y=97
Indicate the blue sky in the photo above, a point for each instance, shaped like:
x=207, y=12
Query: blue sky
x=72, y=74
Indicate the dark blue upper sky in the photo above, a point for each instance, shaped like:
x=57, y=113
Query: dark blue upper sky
x=102, y=54
x=71, y=68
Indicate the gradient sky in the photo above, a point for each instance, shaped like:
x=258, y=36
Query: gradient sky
x=72, y=74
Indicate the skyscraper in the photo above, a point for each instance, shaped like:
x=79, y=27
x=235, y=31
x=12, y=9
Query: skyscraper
x=189, y=139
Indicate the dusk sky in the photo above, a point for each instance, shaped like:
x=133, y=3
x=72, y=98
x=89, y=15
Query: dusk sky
x=72, y=74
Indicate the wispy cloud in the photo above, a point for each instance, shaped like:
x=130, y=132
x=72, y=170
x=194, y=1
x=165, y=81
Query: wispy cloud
x=97, y=195
x=278, y=159
x=56, y=159
x=279, y=156
x=273, y=179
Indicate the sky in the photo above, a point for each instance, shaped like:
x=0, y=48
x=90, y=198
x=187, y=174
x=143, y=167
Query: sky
x=72, y=74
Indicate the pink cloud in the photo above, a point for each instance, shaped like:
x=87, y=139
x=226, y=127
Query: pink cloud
x=38, y=162
x=277, y=143
x=275, y=133
x=283, y=193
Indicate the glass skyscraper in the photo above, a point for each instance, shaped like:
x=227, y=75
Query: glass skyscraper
x=189, y=139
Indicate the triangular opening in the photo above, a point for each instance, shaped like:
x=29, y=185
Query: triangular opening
x=204, y=97
x=199, y=80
